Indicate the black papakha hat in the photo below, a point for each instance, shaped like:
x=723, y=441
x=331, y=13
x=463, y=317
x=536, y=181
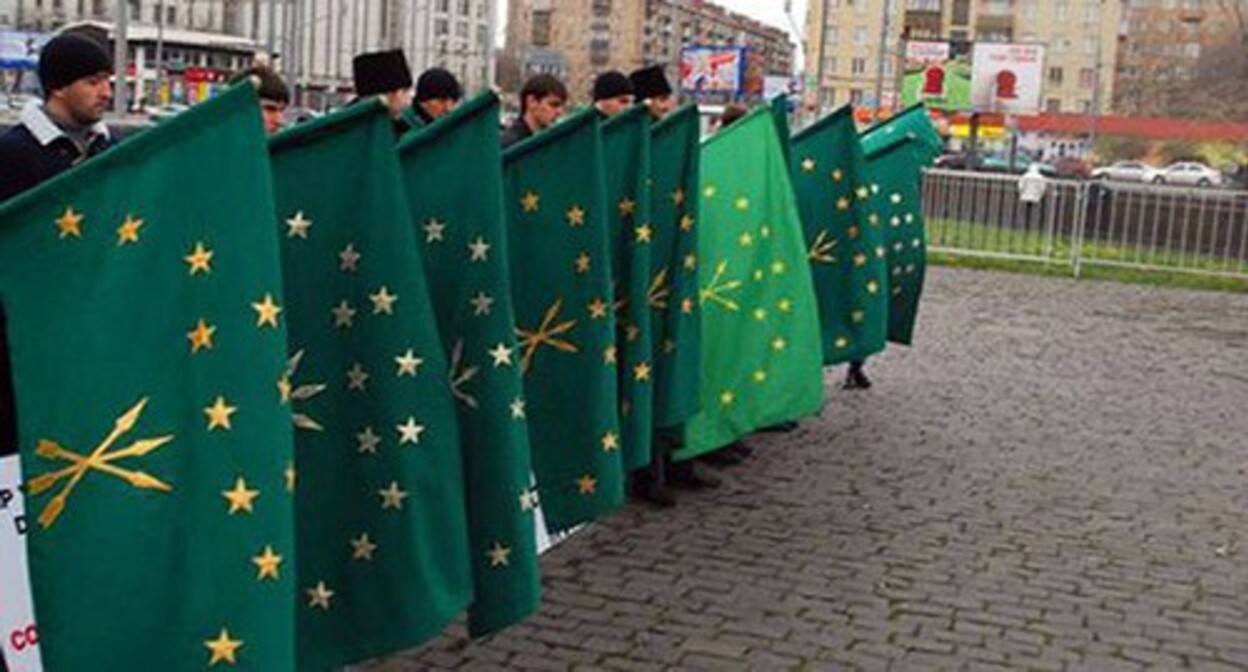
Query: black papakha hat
x=269, y=84
x=612, y=84
x=650, y=82
x=437, y=83
x=68, y=58
x=381, y=72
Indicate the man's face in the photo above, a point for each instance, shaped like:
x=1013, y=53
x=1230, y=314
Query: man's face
x=271, y=111
x=87, y=99
x=397, y=101
x=546, y=111
x=439, y=107
x=661, y=106
x=616, y=105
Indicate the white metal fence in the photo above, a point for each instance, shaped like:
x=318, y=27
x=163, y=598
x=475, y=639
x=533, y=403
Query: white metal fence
x=1077, y=224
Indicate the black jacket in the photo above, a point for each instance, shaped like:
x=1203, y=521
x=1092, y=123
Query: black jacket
x=517, y=131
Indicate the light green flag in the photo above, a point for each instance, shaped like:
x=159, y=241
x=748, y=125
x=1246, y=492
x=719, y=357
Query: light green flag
x=675, y=156
x=845, y=237
x=457, y=216
x=383, y=537
x=156, y=449
x=895, y=170
x=562, y=286
x=626, y=162
x=761, y=354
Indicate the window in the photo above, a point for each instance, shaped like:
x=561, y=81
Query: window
x=855, y=96
x=1087, y=78
x=441, y=27
x=1053, y=105
x=961, y=12
x=541, y=28
x=829, y=65
x=1055, y=76
x=858, y=66
x=860, y=36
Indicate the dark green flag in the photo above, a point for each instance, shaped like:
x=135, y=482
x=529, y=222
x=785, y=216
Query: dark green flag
x=452, y=170
x=626, y=161
x=914, y=121
x=895, y=170
x=845, y=237
x=561, y=281
x=780, y=111
x=675, y=157
x=383, y=538
x=761, y=354
x=156, y=450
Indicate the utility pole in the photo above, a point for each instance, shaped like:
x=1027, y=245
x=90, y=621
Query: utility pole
x=160, y=48
x=823, y=41
x=885, y=31
x=120, y=52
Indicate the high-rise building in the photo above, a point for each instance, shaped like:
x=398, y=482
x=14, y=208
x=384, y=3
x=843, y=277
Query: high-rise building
x=578, y=39
x=844, y=44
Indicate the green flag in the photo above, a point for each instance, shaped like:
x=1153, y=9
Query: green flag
x=458, y=221
x=382, y=532
x=675, y=155
x=894, y=167
x=562, y=287
x=626, y=161
x=761, y=355
x=780, y=111
x=155, y=445
x=845, y=237
x=913, y=120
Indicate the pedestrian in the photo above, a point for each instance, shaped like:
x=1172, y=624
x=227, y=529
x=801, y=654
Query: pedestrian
x=613, y=93
x=856, y=378
x=651, y=86
x=273, y=93
x=732, y=113
x=52, y=136
x=437, y=94
x=543, y=100
x=385, y=74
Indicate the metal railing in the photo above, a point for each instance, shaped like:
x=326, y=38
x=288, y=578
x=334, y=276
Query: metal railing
x=1194, y=230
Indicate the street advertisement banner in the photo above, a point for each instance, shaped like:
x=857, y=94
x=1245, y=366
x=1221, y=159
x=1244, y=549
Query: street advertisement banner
x=19, y=50
x=1007, y=78
x=937, y=74
x=710, y=69
x=19, y=645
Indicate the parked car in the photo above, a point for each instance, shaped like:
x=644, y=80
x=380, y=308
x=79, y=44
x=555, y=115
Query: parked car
x=1189, y=173
x=1126, y=171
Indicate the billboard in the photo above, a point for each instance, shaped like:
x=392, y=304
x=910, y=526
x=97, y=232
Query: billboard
x=937, y=74
x=20, y=50
x=1007, y=78
x=708, y=69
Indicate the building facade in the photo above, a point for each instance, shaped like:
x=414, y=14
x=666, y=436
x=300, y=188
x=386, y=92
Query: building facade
x=314, y=40
x=844, y=44
x=578, y=39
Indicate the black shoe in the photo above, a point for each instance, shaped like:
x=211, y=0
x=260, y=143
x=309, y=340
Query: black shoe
x=656, y=495
x=685, y=475
x=856, y=380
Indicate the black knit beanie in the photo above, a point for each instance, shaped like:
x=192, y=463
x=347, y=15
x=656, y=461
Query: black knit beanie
x=612, y=84
x=651, y=82
x=68, y=58
x=437, y=83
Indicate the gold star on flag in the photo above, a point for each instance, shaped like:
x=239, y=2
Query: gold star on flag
x=858, y=316
x=587, y=485
x=128, y=232
x=266, y=564
x=678, y=197
x=266, y=312
x=784, y=306
x=409, y=432
x=224, y=649
x=727, y=398
x=357, y=378
x=742, y=203
x=863, y=193
x=392, y=497
x=319, y=596
x=298, y=226
x=529, y=500
x=709, y=191
x=482, y=304
x=909, y=218
x=854, y=232
x=760, y=376
x=778, y=268
x=610, y=355
x=344, y=315
x=499, y=555
x=860, y=260
x=895, y=198
x=241, y=498
x=687, y=306
x=69, y=224
x=873, y=219
x=530, y=202
x=633, y=332
x=669, y=346
x=201, y=336
x=873, y=287
x=808, y=165
x=838, y=175
x=746, y=240
x=291, y=477
x=691, y=262
x=895, y=221
x=200, y=260
x=575, y=216
x=502, y=355
x=408, y=363
x=686, y=223
x=583, y=263
x=644, y=233
x=480, y=250
x=760, y=314
x=765, y=232
x=363, y=548
x=518, y=409
x=628, y=207
x=219, y=414
x=779, y=344
x=598, y=309
x=842, y=203
x=434, y=231
x=383, y=301
x=349, y=259
x=610, y=442
x=368, y=441
x=841, y=343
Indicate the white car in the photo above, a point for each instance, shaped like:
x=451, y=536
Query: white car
x=1126, y=171
x=1189, y=173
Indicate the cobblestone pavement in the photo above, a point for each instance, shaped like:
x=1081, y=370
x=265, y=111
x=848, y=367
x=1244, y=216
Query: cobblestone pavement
x=1055, y=477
